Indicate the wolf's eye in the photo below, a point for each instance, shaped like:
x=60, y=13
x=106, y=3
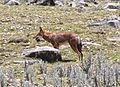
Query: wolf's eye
x=37, y=39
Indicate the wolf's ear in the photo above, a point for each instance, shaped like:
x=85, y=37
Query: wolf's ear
x=40, y=29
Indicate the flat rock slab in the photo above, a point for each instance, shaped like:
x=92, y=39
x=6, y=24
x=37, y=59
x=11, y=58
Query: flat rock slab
x=45, y=53
x=27, y=61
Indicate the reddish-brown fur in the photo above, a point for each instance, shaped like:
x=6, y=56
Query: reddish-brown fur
x=59, y=38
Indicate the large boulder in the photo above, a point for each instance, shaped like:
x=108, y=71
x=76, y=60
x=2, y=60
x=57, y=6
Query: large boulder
x=73, y=3
x=45, y=53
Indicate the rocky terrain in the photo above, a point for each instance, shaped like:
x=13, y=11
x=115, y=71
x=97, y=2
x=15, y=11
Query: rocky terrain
x=98, y=25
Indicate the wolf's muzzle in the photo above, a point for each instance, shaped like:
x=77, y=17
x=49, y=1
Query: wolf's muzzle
x=37, y=38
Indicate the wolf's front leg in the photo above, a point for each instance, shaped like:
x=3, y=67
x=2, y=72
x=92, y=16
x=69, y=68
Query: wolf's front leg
x=55, y=45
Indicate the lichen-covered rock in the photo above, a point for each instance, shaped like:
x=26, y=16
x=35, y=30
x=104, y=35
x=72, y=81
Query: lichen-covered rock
x=45, y=53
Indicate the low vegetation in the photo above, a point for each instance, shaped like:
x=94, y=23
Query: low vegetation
x=23, y=21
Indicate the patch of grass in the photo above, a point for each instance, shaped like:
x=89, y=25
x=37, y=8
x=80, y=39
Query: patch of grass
x=24, y=20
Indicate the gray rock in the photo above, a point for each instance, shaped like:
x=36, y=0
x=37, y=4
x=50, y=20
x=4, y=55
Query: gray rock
x=117, y=38
x=27, y=61
x=100, y=23
x=92, y=1
x=2, y=49
x=42, y=2
x=31, y=1
x=112, y=6
x=6, y=1
x=12, y=2
x=77, y=3
x=98, y=31
x=90, y=43
x=59, y=3
x=45, y=53
x=81, y=3
x=16, y=40
x=113, y=21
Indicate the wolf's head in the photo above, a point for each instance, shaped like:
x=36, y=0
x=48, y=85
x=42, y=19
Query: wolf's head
x=39, y=35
